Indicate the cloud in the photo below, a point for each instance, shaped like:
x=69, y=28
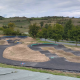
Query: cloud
x=34, y=8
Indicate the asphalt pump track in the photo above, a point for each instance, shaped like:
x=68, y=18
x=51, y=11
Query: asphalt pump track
x=55, y=62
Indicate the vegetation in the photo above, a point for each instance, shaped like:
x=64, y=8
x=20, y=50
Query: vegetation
x=74, y=34
x=44, y=33
x=9, y=30
x=21, y=25
x=54, y=32
x=68, y=26
x=47, y=25
x=33, y=30
x=41, y=23
x=39, y=34
x=11, y=26
x=57, y=32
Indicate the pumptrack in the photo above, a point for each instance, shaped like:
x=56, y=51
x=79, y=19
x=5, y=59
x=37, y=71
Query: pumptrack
x=55, y=62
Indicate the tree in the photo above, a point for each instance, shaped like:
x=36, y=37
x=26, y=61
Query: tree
x=4, y=26
x=7, y=31
x=74, y=34
x=47, y=25
x=33, y=30
x=11, y=26
x=57, y=32
x=41, y=23
x=49, y=31
x=68, y=26
x=44, y=33
x=39, y=34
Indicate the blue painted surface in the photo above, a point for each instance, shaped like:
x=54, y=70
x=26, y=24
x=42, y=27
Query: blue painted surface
x=22, y=63
x=17, y=42
x=7, y=40
x=14, y=36
x=9, y=36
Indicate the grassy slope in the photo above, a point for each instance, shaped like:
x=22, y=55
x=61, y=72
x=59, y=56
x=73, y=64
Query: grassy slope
x=25, y=23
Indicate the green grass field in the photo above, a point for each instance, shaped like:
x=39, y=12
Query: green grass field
x=22, y=29
x=1, y=32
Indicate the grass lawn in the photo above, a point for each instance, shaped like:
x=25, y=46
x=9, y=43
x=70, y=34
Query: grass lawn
x=72, y=46
x=22, y=29
x=1, y=32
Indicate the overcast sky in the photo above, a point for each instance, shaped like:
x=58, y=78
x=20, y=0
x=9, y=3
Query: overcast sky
x=39, y=8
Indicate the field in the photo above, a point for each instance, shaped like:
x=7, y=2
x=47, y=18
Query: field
x=25, y=22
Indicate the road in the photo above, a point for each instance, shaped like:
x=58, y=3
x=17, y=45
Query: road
x=42, y=39
x=17, y=74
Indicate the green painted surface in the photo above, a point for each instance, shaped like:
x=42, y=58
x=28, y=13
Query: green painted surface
x=33, y=44
x=45, y=43
x=52, y=57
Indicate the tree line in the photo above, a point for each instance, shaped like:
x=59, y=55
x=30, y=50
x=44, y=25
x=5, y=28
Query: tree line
x=9, y=30
x=56, y=32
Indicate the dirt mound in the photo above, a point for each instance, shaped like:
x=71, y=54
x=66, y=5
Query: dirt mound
x=67, y=55
x=14, y=38
x=2, y=35
x=28, y=39
x=73, y=48
x=3, y=42
x=21, y=52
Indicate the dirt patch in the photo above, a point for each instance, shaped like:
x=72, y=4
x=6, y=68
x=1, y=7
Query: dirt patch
x=73, y=48
x=2, y=35
x=14, y=38
x=21, y=52
x=3, y=42
x=28, y=39
x=69, y=56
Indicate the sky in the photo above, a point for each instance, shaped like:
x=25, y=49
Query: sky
x=39, y=8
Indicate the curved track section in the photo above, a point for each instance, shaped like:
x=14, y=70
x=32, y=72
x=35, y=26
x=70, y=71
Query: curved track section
x=55, y=63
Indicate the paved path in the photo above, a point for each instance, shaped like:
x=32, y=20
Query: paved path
x=42, y=39
x=18, y=74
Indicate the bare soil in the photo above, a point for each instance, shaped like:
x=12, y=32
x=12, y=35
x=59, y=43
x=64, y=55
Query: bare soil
x=69, y=56
x=3, y=42
x=28, y=40
x=21, y=52
x=73, y=48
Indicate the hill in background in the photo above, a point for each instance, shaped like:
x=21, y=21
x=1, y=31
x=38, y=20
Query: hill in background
x=22, y=23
